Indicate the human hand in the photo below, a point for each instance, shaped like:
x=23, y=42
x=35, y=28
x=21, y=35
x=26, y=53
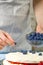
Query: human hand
x=5, y=39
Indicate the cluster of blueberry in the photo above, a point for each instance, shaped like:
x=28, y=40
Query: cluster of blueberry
x=34, y=36
x=33, y=52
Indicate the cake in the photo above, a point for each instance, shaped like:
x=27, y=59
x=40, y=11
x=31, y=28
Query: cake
x=18, y=58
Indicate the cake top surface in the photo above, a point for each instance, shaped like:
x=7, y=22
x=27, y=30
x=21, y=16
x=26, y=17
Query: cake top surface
x=29, y=57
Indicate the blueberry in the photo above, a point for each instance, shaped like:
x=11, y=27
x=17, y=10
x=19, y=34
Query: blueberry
x=30, y=51
x=33, y=34
x=40, y=54
x=41, y=36
x=24, y=51
x=33, y=52
x=38, y=34
x=29, y=37
x=35, y=38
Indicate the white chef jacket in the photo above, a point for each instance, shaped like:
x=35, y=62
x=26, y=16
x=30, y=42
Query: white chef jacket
x=17, y=18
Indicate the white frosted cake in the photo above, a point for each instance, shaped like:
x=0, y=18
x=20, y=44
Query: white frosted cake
x=23, y=58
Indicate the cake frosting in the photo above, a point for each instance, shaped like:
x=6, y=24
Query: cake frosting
x=23, y=58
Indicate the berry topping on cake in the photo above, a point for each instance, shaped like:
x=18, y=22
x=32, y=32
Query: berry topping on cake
x=40, y=54
x=24, y=51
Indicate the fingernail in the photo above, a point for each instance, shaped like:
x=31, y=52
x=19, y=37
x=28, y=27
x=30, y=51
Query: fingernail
x=15, y=43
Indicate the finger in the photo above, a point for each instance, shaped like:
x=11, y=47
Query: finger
x=6, y=40
x=2, y=37
x=9, y=42
x=2, y=43
x=8, y=36
x=1, y=47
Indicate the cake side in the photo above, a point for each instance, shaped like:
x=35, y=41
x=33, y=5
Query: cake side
x=23, y=58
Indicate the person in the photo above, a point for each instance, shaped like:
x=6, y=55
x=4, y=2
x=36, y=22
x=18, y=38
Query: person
x=16, y=20
x=38, y=11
